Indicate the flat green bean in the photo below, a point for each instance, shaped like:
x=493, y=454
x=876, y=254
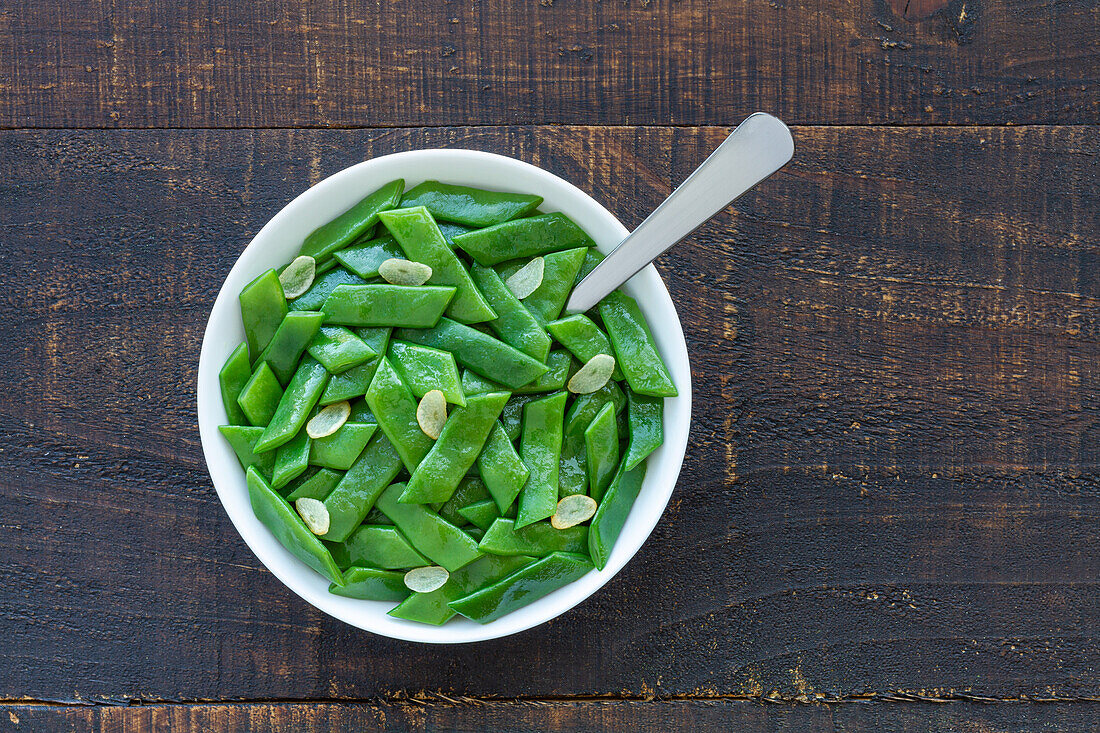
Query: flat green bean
x=583, y=338
x=538, y=539
x=560, y=366
x=525, y=586
x=481, y=514
x=432, y=608
x=317, y=486
x=263, y=306
x=432, y=536
x=346, y=228
x=645, y=425
x=514, y=324
x=363, y=258
x=322, y=287
x=472, y=207
x=387, y=305
x=372, y=584
x=340, y=449
x=601, y=441
x=540, y=449
x=528, y=237
x=381, y=547
x=423, y=369
x=339, y=349
x=291, y=338
x=394, y=408
x=559, y=272
x=242, y=438
x=232, y=378
x=480, y=352
x=291, y=460
x=635, y=350
x=298, y=400
x=610, y=518
x=470, y=491
x=351, y=500
x=501, y=468
x=259, y=399
x=355, y=381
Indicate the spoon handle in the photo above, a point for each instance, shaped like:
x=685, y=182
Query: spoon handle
x=758, y=147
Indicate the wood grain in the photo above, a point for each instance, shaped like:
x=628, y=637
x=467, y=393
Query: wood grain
x=518, y=717
x=291, y=63
x=892, y=479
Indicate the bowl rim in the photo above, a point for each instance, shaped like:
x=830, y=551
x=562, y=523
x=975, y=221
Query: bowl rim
x=319, y=204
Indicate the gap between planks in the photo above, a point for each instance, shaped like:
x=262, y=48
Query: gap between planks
x=513, y=125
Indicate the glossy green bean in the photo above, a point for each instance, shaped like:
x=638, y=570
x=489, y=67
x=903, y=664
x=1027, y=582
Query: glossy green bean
x=583, y=338
x=286, y=347
x=356, y=494
x=372, y=584
x=646, y=427
x=420, y=238
x=528, y=237
x=453, y=454
x=291, y=460
x=277, y=515
x=472, y=207
x=585, y=407
x=635, y=350
x=560, y=366
x=322, y=287
x=470, y=491
x=473, y=383
x=263, y=306
x=340, y=449
x=451, y=230
x=432, y=608
x=432, y=536
x=346, y=228
x=481, y=514
x=573, y=467
x=242, y=438
x=525, y=586
x=611, y=515
x=511, y=417
x=559, y=272
x=387, y=305
x=339, y=349
x=381, y=547
x=259, y=399
x=232, y=378
x=540, y=449
x=363, y=258
x=591, y=258
x=514, y=324
x=501, y=468
x=538, y=539
x=394, y=408
x=317, y=486
x=423, y=369
x=298, y=400
x=361, y=412
x=480, y=352
x=355, y=381
x=601, y=442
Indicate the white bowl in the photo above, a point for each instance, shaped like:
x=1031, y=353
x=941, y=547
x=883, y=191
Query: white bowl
x=278, y=243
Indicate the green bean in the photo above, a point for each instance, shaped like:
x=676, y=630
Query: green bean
x=501, y=468
x=387, y=305
x=538, y=539
x=340, y=449
x=591, y=259
x=339, y=349
x=583, y=338
x=232, y=378
x=286, y=347
x=361, y=412
x=540, y=448
x=300, y=397
x=432, y=536
x=635, y=350
x=317, y=486
x=242, y=438
x=470, y=490
x=646, y=429
x=352, y=499
x=291, y=460
x=289, y=529
x=475, y=350
x=481, y=514
x=322, y=287
x=610, y=518
x=372, y=584
x=527, y=585
x=528, y=237
x=601, y=441
x=355, y=381
x=585, y=407
x=420, y=238
x=394, y=408
x=451, y=230
x=514, y=324
x=473, y=383
x=259, y=399
x=363, y=258
x=381, y=547
x=511, y=417
x=263, y=306
x=573, y=467
x=560, y=366
x=470, y=206
x=344, y=229
x=465, y=432
x=559, y=273
x=424, y=369
x=432, y=608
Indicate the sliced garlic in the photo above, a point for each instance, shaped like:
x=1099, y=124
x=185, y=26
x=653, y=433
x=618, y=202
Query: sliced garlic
x=314, y=513
x=426, y=579
x=593, y=375
x=431, y=413
x=298, y=276
x=527, y=279
x=329, y=420
x=404, y=272
x=572, y=510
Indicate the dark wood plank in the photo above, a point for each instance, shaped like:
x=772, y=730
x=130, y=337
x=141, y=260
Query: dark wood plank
x=891, y=485
x=567, y=717
x=158, y=63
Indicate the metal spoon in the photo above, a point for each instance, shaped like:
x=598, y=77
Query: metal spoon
x=758, y=147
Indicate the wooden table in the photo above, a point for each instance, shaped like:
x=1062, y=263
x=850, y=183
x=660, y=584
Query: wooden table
x=889, y=515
